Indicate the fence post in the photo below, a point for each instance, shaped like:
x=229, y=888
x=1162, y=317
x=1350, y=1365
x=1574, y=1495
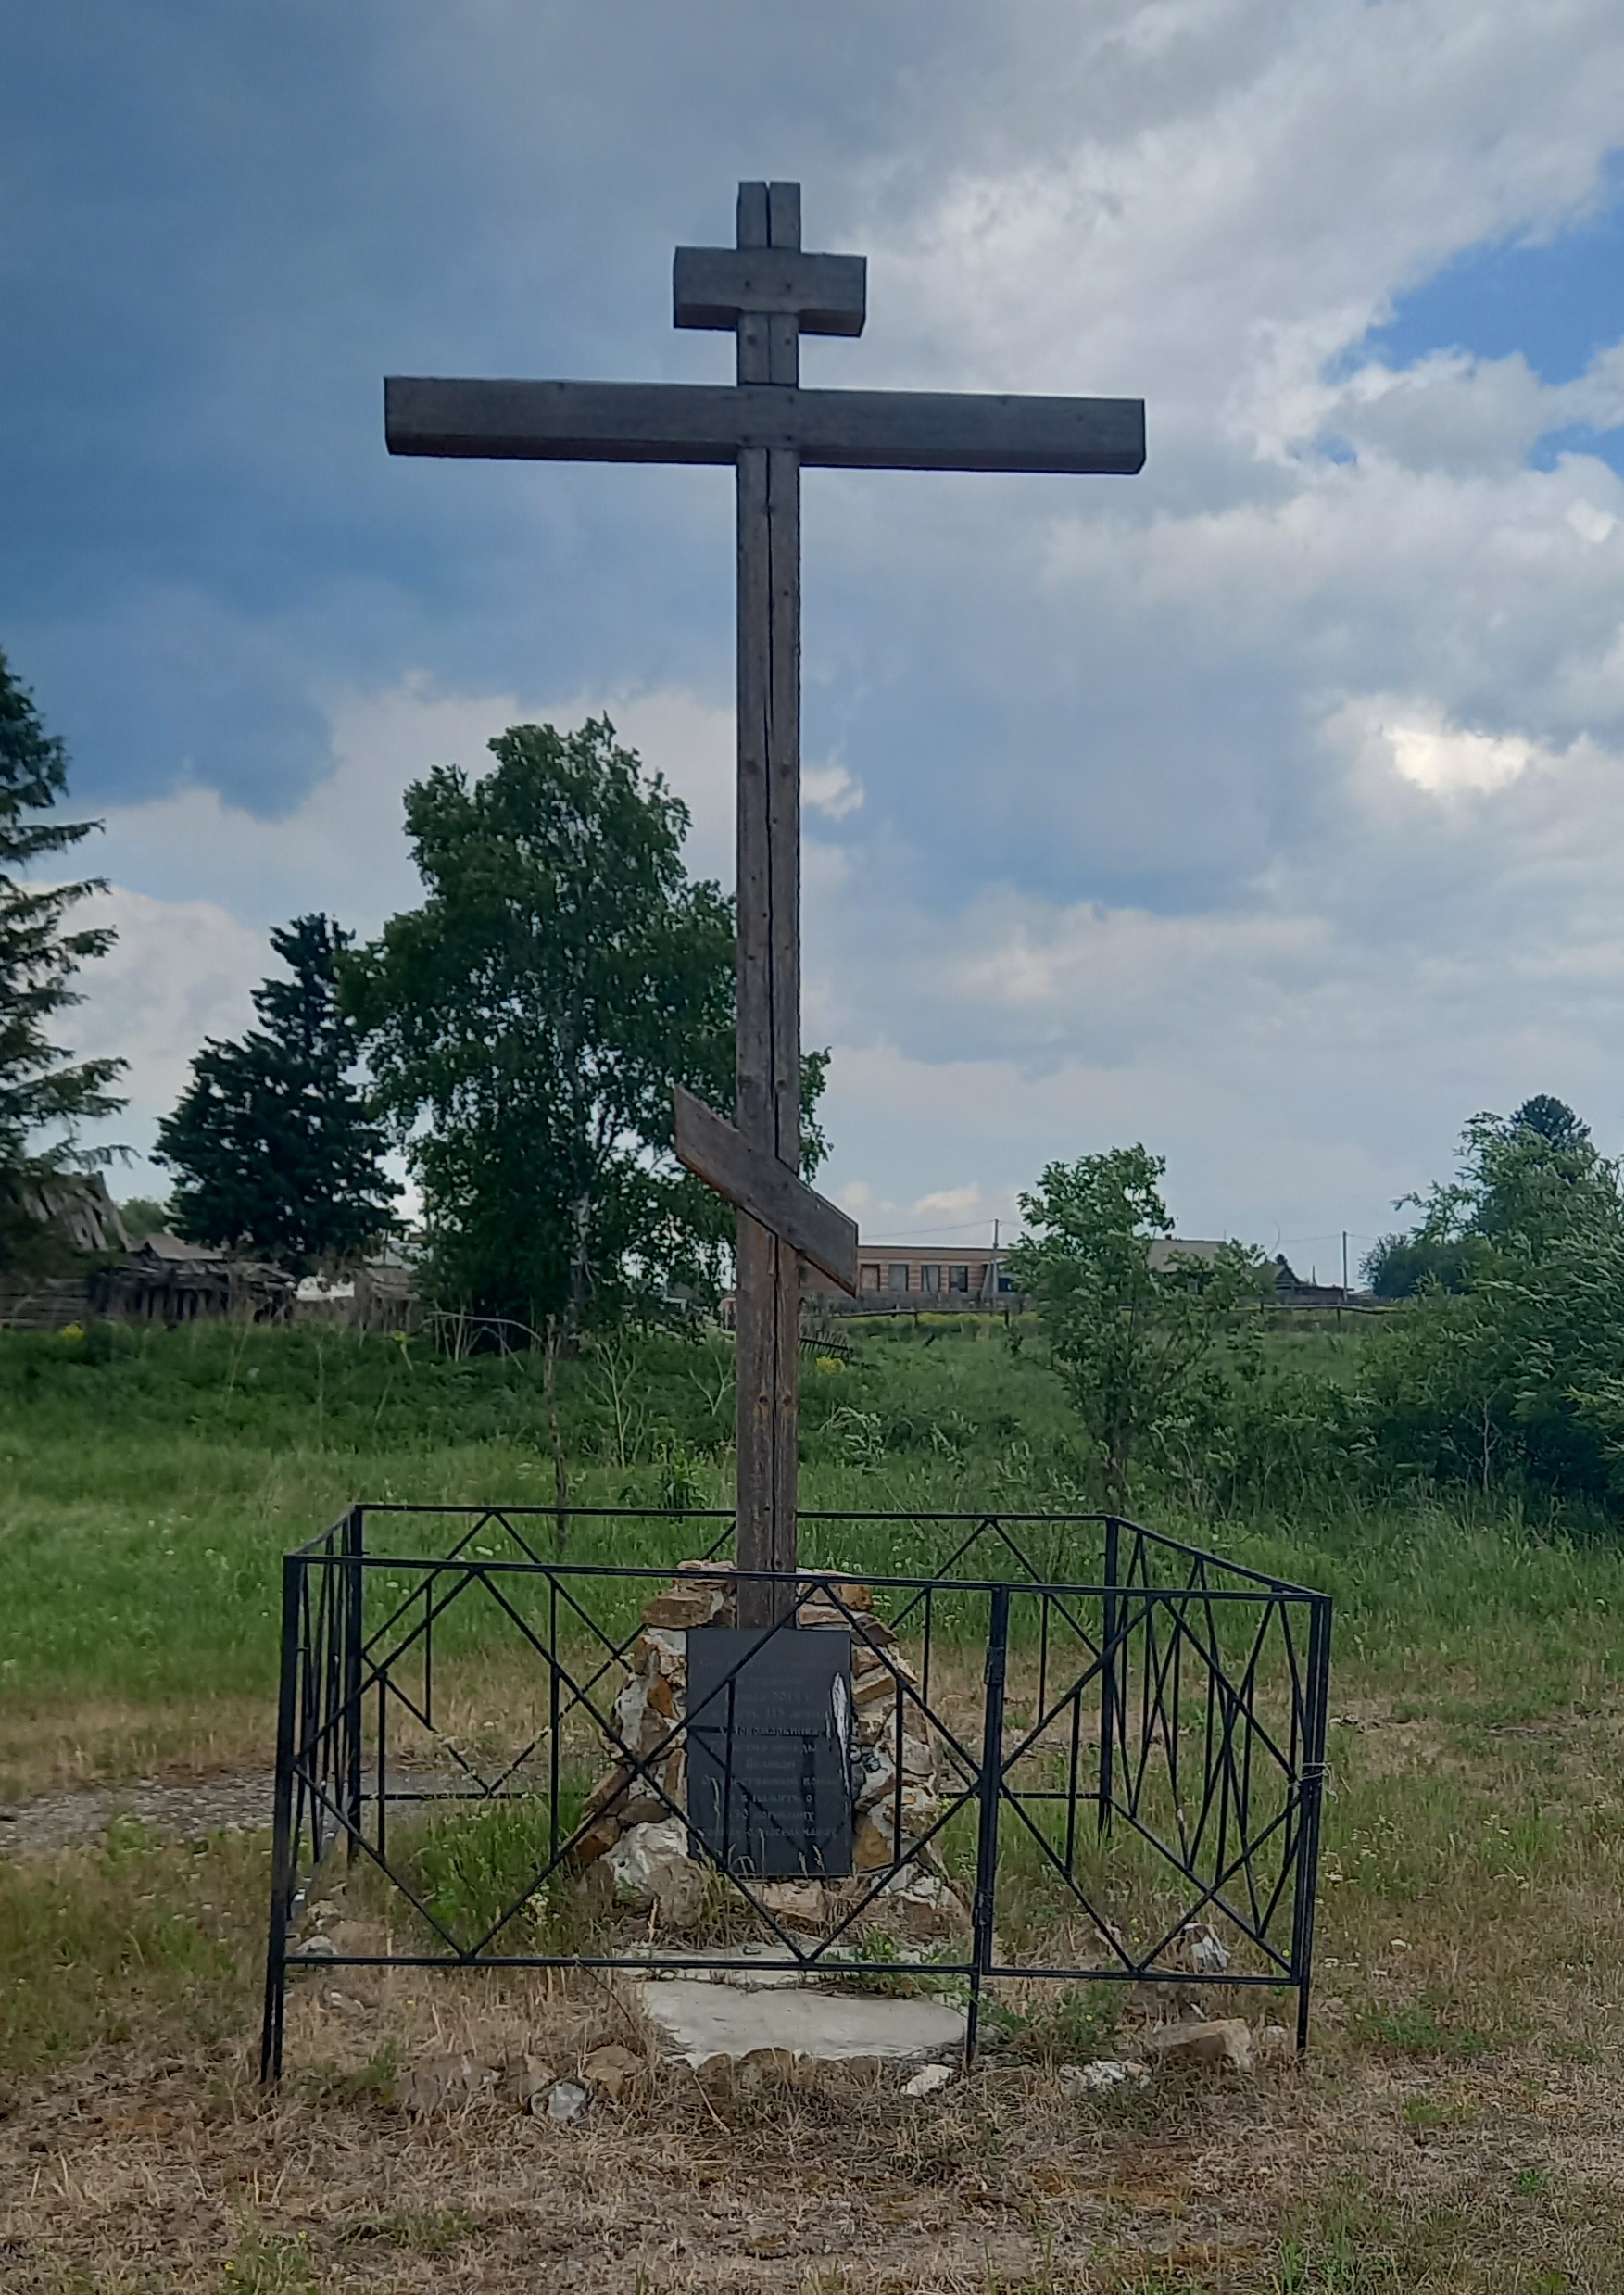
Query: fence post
x=1110, y=1627
x=984, y=1909
x=354, y=1633
x=1313, y=1794
x=281, y=1842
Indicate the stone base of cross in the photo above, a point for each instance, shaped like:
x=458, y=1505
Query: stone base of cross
x=767, y=292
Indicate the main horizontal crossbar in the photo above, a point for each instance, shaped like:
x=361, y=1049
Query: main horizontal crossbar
x=711, y=423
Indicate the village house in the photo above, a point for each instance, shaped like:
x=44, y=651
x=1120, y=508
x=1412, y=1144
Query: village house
x=921, y=1276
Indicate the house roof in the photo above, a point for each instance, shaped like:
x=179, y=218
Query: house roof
x=1165, y=1249
x=174, y=1248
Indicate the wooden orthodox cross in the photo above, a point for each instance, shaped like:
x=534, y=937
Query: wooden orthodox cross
x=768, y=293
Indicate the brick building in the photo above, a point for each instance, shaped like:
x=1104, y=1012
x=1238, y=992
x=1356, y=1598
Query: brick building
x=921, y=1275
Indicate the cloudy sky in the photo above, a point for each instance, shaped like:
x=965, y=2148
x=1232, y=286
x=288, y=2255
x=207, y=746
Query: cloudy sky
x=1265, y=807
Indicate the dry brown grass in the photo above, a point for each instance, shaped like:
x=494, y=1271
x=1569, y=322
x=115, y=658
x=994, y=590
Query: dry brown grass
x=138, y=2170
x=1459, y=2125
x=60, y=1744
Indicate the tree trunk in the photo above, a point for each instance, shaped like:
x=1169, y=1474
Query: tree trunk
x=560, y=1479
x=580, y=1271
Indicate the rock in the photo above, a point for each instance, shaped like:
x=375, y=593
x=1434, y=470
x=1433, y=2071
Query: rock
x=679, y=1895
x=877, y=1774
x=1202, y=1949
x=629, y=1710
x=926, y=2081
x=607, y=1789
x=764, y=2068
x=1225, y=2043
x=566, y=2101
x=523, y=2080
x=923, y=1907
x=667, y=1649
x=609, y=2068
x=650, y=1865
x=872, y=1845
x=693, y=1606
x=750, y=2073
x=595, y=1840
x=443, y=2084
x=640, y=1852
x=799, y=1904
x=314, y=1948
x=1097, y=2078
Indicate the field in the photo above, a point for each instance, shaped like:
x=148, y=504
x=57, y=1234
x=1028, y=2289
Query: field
x=1456, y=2127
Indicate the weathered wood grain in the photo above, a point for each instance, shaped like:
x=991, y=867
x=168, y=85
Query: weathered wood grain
x=767, y=1086
x=711, y=286
x=770, y=292
x=711, y=423
x=718, y=1152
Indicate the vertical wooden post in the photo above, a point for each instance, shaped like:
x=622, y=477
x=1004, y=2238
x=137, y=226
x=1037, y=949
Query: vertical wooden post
x=768, y=1077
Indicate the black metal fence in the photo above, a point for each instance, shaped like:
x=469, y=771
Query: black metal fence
x=1094, y=1754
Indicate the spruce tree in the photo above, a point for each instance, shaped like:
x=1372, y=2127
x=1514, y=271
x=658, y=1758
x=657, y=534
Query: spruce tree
x=272, y=1145
x=43, y=1090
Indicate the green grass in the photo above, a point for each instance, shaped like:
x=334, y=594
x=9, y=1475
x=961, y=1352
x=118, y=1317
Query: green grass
x=152, y=1480
x=1473, y=1865
x=96, y=1946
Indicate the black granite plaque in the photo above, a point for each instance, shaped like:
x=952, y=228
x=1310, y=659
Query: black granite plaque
x=770, y=1750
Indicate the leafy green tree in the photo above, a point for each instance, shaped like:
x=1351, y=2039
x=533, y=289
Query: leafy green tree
x=525, y=1025
x=1126, y=1327
x=1525, y=1183
x=1518, y=1379
x=143, y=1215
x=273, y=1144
x=43, y=1090
x=1400, y=1265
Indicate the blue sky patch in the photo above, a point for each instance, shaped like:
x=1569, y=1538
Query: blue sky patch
x=1558, y=303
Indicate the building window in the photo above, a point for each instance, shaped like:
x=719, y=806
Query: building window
x=958, y=1278
x=899, y=1275
x=869, y=1278
x=930, y=1276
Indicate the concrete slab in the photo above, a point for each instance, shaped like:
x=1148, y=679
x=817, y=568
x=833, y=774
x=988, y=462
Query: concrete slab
x=701, y=2019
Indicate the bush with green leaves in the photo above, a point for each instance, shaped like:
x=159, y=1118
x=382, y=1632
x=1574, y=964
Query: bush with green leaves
x=1516, y=1378
x=1127, y=1327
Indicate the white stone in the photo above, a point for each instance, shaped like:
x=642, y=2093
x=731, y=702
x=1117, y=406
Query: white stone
x=629, y=1708
x=566, y=2103
x=1094, y=2079
x=700, y=2019
x=639, y=1859
x=927, y=2082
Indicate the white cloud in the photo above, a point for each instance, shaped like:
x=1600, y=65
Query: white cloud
x=831, y=791
x=197, y=881
x=1596, y=525
x=1445, y=762
x=1266, y=808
